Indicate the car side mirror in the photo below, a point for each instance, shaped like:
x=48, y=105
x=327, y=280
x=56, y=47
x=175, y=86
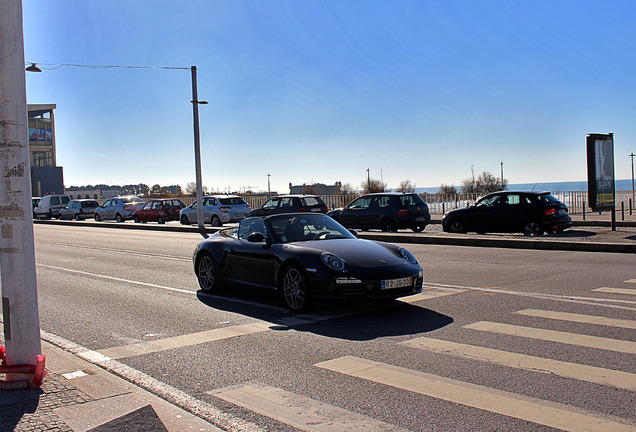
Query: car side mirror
x=257, y=237
x=354, y=232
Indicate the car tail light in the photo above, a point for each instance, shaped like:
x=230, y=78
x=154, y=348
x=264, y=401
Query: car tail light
x=402, y=212
x=551, y=212
x=326, y=209
x=302, y=209
x=225, y=209
x=127, y=207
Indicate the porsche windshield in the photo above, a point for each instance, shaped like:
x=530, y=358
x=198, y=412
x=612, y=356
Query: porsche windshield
x=295, y=227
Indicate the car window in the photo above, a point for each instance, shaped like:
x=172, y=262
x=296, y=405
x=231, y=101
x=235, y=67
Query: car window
x=489, y=202
x=156, y=205
x=512, y=199
x=411, y=200
x=114, y=203
x=232, y=201
x=106, y=203
x=271, y=203
x=147, y=206
x=55, y=200
x=360, y=203
x=132, y=200
x=381, y=202
x=250, y=226
x=287, y=202
x=311, y=227
x=65, y=199
x=209, y=202
x=548, y=199
x=90, y=204
x=310, y=201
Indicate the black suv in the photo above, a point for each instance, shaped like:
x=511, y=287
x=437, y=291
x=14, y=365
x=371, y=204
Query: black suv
x=387, y=211
x=290, y=204
x=531, y=213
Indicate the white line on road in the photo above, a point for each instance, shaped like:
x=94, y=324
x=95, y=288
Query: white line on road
x=122, y=251
x=572, y=317
x=526, y=408
x=576, y=371
x=298, y=411
x=557, y=297
x=556, y=336
x=616, y=290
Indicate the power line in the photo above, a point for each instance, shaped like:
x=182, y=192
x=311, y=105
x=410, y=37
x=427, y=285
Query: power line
x=58, y=66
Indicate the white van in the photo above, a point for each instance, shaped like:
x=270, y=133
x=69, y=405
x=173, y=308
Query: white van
x=50, y=206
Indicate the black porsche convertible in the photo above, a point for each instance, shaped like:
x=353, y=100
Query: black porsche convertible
x=305, y=256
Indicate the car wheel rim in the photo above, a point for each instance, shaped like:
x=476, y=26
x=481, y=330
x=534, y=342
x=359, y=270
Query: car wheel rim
x=206, y=273
x=294, y=289
x=456, y=227
x=532, y=229
x=215, y=221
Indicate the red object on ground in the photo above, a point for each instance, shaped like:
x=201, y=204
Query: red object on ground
x=38, y=372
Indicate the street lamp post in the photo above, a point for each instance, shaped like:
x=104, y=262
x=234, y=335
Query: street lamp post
x=197, y=146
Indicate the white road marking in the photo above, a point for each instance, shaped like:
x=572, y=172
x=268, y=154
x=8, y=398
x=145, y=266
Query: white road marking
x=120, y=251
x=587, y=319
x=579, y=372
x=526, y=408
x=616, y=290
x=185, y=340
x=556, y=336
x=630, y=281
x=556, y=297
x=298, y=411
x=116, y=279
x=76, y=374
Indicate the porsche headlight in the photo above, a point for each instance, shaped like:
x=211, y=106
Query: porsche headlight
x=332, y=261
x=407, y=255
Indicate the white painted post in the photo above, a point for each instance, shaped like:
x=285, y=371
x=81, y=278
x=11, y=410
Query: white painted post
x=17, y=252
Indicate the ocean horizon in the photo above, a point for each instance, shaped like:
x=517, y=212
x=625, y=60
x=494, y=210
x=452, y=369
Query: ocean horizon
x=621, y=186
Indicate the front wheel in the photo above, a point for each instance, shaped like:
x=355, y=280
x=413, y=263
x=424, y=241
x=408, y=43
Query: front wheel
x=97, y=217
x=532, y=229
x=418, y=228
x=184, y=220
x=457, y=227
x=206, y=273
x=136, y=219
x=77, y=217
x=160, y=220
x=295, y=289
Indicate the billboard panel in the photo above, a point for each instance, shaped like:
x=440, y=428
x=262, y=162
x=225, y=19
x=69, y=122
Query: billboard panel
x=600, y=171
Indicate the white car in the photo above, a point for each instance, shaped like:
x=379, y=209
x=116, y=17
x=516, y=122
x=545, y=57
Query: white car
x=217, y=210
x=50, y=206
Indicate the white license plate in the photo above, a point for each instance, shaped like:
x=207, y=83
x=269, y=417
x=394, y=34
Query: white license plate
x=396, y=283
x=562, y=211
x=420, y=219
x=241, y=215
x=315, y=210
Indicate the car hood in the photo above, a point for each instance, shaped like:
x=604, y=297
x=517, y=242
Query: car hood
x=356, y=252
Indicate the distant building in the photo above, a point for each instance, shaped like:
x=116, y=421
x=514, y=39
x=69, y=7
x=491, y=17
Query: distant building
x=46, y=176
x=315, y=189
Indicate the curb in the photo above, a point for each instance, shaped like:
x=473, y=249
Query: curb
x=532, y=243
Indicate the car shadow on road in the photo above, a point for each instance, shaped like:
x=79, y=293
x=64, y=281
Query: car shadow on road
x=359, y=320
x=573, y=234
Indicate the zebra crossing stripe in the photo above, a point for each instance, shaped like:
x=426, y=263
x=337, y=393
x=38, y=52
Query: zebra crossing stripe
x=616, y=290
x=556, y=336
x=579, y=372
x=526, y=408
x=299, y=411
x=587, y=319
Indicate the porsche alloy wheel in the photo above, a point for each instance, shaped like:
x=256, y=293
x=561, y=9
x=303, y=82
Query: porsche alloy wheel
x=296, y=289
x=206, y=273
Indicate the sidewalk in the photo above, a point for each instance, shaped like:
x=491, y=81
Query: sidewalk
x=79, y=396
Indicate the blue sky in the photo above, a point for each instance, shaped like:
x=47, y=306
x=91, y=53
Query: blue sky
x=321, y=91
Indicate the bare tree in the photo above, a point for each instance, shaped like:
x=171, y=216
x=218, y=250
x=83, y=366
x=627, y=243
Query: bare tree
x=346, y=189
x=448, y=189
x=373, y=186
x=406, y=186
x=485, y=183
x=191, y=189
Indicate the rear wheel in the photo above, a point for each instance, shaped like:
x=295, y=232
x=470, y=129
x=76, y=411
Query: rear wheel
x=118, y=218
x=215, y=221
x=532, y=229
x=418, y=228
x=295, y=289
x=206, y=273
x=388, y=224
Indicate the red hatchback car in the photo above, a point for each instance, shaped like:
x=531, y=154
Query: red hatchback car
x=159, y=210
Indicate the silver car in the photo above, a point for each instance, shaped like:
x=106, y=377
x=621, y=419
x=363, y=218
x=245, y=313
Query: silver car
x=119, y=208
x=217, y=210
x=79, y=209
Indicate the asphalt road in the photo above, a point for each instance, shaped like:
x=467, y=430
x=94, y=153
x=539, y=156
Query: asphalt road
x=501, y=339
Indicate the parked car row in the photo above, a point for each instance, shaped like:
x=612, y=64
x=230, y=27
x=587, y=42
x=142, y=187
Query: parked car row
x=528, y=212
